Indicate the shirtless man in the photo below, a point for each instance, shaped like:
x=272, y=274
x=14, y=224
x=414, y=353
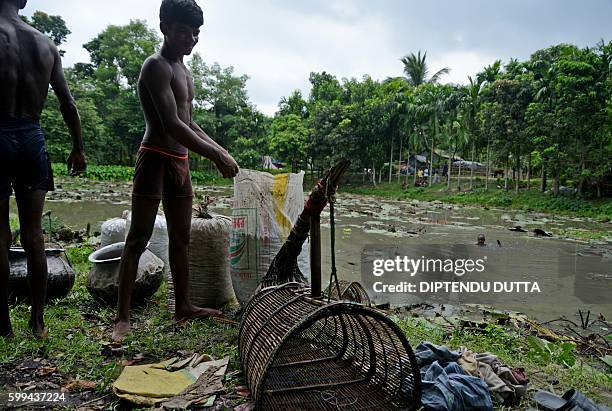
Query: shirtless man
x=162, y=168
x=29, y=62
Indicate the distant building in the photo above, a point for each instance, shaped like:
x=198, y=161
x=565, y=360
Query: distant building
x=271, y=164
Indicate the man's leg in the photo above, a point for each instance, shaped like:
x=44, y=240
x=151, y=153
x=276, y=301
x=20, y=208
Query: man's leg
x=178, y=215
x=144, y=211
x=30, y=205
x=5, y=242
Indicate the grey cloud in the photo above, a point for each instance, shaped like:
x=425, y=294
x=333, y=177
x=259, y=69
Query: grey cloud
x=277, y=43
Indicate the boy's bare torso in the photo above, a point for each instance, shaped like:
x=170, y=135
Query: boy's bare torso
x=27, y=58
x=183, y=89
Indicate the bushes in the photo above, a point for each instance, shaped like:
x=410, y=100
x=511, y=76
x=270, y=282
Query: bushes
x=532, y=200
x=125, y=173
x=101, y=173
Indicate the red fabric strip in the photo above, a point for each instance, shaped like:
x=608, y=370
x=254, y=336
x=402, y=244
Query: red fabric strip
x=164, y=152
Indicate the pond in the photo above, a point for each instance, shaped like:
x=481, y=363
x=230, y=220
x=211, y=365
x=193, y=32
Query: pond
x=362, y=220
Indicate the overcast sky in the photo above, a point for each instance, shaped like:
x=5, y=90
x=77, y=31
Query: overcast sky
x=277, y=43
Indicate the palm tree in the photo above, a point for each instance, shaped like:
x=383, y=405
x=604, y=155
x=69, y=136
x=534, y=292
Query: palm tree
x=489, y=75
x=398, y=106
x=437, y=109
x=418, y=118
x=416, y=69
x=452, y=128
x=473, y=101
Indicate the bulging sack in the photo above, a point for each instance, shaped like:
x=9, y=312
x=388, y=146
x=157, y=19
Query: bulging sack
x=265, y=208
x=210, y=284
x=158, y=243
x=113, y=231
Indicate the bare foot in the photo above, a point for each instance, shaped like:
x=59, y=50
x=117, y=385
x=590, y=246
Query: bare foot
x=194, y=312
x=122, y=328
x=38, y=329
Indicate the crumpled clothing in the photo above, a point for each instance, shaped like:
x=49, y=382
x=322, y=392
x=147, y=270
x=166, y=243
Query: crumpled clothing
x=427, y=352
x=519, y=375
x=449, y=388
x=446, y=386
x=504, y=372
x=150, y=384
x=506, y=389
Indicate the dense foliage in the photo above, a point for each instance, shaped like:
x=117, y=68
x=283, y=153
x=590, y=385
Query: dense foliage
x=549, y=116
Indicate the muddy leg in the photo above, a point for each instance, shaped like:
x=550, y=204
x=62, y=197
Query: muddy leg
x=30, y=205
x=178, y=216
x=144, y=211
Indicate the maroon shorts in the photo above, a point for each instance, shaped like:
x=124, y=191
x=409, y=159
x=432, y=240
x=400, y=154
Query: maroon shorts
x=161, y=173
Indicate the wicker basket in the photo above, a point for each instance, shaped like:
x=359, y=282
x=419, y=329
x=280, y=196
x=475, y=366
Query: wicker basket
x=302, y=354
x=349, y=291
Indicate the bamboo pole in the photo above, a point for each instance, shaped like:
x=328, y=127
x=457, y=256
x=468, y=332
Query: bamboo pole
x=315, y=256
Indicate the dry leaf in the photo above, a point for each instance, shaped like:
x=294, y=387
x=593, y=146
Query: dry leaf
x=243, y=391
x=80, y=385
x=45, y=371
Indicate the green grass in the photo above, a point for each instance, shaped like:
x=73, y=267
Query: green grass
x=532, y=200
x=580, y=234
x=79, y=332
x=13, y=221
x=514, y=350
x=126, y=173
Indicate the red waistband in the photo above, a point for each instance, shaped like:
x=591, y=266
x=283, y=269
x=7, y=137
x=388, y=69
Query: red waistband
x=164, y=151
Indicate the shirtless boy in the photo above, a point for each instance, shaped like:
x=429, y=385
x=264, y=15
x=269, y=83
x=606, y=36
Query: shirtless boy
x=162, y=169
x=29, y=62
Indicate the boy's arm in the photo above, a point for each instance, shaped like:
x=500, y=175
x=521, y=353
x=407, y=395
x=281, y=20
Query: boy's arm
x=76, y=161
x=202, y=134
x=156, y=76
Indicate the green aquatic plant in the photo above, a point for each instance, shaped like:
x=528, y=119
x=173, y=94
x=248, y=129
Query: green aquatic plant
x=126, y=173
x=545, y=352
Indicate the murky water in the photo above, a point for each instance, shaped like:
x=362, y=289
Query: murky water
x=362, y=220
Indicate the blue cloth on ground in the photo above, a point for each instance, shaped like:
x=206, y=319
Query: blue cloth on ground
x=446, y=386
x=449, y=388
x=427, y=352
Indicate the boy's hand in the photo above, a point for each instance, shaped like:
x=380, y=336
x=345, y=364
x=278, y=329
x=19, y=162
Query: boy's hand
x=226, y=164
x=77, y=164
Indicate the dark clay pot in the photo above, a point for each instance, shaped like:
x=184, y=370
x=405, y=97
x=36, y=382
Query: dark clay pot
x=60, y=278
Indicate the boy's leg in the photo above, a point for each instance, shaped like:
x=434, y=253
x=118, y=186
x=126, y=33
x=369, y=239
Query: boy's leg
x=5, y=242
x=144, y=211
x=178, y=215
x=30, y=205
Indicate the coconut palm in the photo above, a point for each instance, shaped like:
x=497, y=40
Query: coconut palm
x=416, y=119
x=473, y=101
x=490, y=73
x=416, y=69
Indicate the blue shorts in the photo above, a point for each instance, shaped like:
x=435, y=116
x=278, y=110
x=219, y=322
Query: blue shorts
x=24, y=162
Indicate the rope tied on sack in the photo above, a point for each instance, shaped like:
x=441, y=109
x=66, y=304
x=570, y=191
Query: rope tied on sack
x=200, y=210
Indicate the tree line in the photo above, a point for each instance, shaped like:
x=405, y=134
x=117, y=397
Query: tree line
x=548, y=117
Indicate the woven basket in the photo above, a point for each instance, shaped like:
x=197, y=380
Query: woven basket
x=349, y=291
x=298, y=353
